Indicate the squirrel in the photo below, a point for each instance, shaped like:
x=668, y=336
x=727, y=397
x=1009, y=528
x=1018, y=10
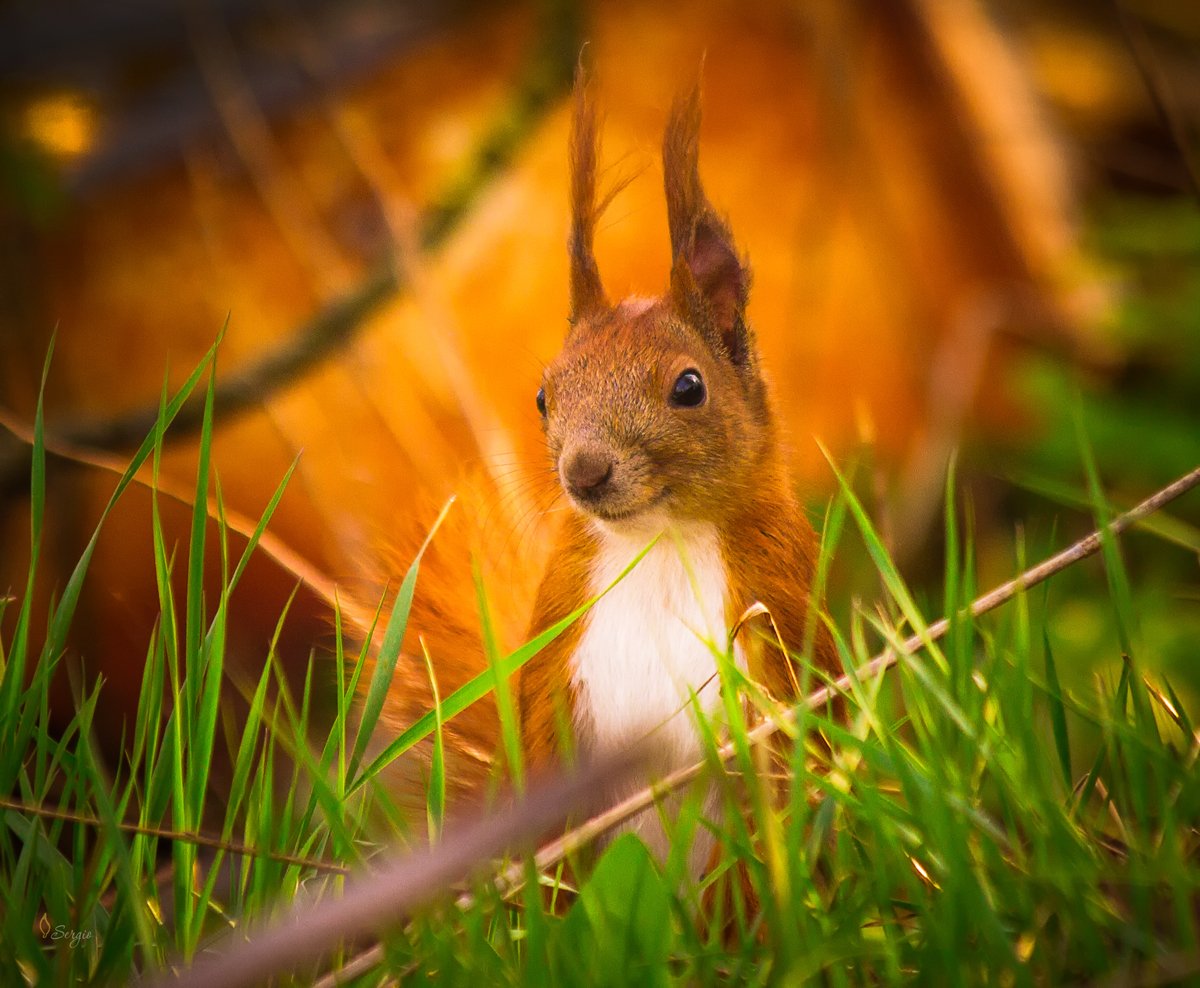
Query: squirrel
x=659, y=423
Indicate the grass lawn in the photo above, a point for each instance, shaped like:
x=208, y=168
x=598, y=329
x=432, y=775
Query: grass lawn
x=1015, y=802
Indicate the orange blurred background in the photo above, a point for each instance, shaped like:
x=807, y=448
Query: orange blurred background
x=374, y=196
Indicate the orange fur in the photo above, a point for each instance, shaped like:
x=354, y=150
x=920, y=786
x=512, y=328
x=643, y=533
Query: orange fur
x=733, y=470
x=610, y=405
x=446, y=620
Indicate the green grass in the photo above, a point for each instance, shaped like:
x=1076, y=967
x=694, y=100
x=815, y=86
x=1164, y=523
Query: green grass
x=1018, y=804
x=969, y=821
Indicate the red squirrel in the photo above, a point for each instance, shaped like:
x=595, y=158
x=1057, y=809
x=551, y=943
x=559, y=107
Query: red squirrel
x=659, y=422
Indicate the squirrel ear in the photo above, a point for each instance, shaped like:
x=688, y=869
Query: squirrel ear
x=587, y=293
x=709, y=282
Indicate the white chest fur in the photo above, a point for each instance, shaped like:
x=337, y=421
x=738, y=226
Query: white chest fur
x=648, y=643
x=646, y=648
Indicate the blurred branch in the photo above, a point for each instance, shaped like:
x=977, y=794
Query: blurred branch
x=308, y=930
x=547, y=73
x=591, y=829
x=93, y=46
x=186, y=837
x=246, y=125
x=1159, y=89
x=549, y=855
x=291, y=561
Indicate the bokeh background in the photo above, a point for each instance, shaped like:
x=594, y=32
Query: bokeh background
x=965, y=220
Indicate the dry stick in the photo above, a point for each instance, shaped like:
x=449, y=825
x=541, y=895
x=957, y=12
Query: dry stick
x=395, y=891
x=513, y=877
x=307, y=931
x=550, y=854
x=290, y=560
x=1159, y=89
x=187, y=837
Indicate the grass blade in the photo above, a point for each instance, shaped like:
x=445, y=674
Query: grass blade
x=389, y=652
x=1058, y=716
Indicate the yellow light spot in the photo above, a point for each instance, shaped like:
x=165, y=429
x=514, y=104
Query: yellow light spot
x=920, y=870
x=63, y=124
x=864, y=421
x=1161, y=697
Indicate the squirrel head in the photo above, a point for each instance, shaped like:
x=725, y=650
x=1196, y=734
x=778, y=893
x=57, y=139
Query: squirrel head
x=656, y=408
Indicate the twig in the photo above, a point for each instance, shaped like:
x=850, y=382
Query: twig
x=553, y=852
x=513, y=877
x=360, y=963
x=1159, y=90
x=199, y=839
x=283, y=555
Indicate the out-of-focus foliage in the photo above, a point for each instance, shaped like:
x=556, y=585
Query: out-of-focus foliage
x=971, y=227
x=887, y=169
x=905, y=179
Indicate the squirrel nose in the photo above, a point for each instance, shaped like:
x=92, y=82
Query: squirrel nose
x=587, y=472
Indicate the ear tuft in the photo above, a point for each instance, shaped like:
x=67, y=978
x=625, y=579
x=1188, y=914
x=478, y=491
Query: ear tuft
x=710, y=284
x=587, y=292
x=681, y=169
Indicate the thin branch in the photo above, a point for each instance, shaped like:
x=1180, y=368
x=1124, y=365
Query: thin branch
x=513, y=877
x=393, y=892
x=360, y=963
x=283, y=555
x=579, y=837
x=199, y=839
x=1159, y=89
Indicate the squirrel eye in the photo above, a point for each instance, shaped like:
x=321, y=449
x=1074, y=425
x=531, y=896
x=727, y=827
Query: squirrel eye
x=541, y=401
x=688, y=390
